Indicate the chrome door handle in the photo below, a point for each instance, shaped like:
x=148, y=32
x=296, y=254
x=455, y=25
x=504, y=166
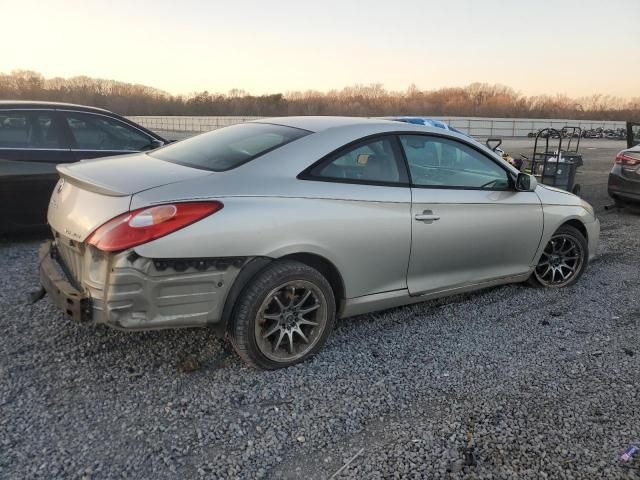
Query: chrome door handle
x=423, y=218
x=427, y=217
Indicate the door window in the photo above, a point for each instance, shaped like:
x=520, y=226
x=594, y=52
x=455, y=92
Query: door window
x=440, y=162
x=30, y=129
x=372, y=161
x=98, y=132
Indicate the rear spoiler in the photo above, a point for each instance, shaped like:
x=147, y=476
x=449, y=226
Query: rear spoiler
x=91, y=185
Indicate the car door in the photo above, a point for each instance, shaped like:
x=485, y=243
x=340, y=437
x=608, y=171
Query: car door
x=633, y=134
x=32, y=142
x=469, y=224
x=96, y=135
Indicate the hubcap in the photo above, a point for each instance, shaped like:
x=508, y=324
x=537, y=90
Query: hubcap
x=291, y=321
x=560, y=262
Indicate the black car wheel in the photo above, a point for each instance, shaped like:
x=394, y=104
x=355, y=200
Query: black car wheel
x=284, y=316
x=563, y=261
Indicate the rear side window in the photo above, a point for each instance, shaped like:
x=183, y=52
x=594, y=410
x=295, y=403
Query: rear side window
x=228, y=147
x=372, y=161
x=98, y=132
x=30, y=129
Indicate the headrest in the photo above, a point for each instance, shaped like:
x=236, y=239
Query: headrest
x=415, y=141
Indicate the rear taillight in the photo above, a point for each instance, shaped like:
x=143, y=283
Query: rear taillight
x=146, y=224
x=626, y=159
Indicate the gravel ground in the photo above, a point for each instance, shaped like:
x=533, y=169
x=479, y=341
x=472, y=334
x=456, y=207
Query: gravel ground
x=507, y=382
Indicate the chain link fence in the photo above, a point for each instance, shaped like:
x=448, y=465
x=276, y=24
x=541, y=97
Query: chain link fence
x=178, y=127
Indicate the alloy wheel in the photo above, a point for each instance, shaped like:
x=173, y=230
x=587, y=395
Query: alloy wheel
x=290, y=321
x=560, y=262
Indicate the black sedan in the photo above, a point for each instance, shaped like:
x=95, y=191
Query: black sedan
x=36, y=136
x=624, y=179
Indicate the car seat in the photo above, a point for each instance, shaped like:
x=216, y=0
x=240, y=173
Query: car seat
x=380, y=168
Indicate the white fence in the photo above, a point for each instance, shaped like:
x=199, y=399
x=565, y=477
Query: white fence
x=178, y=127
x=520, y=127
x=182, y=126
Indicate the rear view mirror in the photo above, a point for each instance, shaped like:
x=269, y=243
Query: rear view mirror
x=526, y=183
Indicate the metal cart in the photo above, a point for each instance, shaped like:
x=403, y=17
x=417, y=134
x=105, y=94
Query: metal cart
x=551, y=163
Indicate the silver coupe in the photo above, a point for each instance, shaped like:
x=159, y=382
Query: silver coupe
x=269, y=231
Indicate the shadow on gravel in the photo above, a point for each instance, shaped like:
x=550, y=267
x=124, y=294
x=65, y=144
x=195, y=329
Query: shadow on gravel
x=172, y=351
x=31, y=235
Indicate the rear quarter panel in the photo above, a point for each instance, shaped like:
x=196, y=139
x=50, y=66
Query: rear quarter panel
x=368, y=242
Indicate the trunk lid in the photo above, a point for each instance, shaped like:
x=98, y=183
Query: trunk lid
x=127, y=174
x=89, y=193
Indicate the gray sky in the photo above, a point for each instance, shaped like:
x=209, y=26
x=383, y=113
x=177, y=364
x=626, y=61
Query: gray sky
x=538, y=47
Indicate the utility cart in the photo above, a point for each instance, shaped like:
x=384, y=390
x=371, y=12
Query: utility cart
x=556, y=158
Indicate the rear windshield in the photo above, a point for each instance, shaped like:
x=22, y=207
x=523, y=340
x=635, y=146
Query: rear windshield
x=228, y=147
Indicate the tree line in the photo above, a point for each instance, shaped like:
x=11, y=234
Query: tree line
x=476, y=99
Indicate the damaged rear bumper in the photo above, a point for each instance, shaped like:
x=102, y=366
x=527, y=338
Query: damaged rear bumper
x=129, y=292
x=73, y=302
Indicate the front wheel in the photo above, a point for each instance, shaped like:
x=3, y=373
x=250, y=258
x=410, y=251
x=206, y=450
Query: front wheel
x=284, y=316
x=563, y=261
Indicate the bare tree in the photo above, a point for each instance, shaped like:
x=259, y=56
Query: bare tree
x=476, y=99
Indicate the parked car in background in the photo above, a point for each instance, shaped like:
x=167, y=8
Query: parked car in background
x=624, y=179
x=430, y=122
x=36, y=136
x=633, y=134
x=268, y=231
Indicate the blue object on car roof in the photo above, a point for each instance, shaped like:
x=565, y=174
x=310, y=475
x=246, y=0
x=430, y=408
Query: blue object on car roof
x=430, y=122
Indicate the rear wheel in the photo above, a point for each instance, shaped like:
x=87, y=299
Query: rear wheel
x=284, y=316
x=563, y=260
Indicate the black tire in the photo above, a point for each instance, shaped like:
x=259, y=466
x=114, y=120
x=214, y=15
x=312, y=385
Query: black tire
x=582, y=249
x=243, y=331
x=618, y=202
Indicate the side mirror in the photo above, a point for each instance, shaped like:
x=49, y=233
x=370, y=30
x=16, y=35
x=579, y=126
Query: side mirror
x=152, y=145
x=155, y=143
x=526, y=182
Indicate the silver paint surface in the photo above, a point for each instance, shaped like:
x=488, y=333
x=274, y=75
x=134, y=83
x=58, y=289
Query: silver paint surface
x=369, y=233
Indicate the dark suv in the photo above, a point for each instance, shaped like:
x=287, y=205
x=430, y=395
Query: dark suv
x=35, y=136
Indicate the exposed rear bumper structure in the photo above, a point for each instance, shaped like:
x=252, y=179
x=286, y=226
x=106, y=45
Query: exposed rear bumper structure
x=129, y=292
x=75, y=303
